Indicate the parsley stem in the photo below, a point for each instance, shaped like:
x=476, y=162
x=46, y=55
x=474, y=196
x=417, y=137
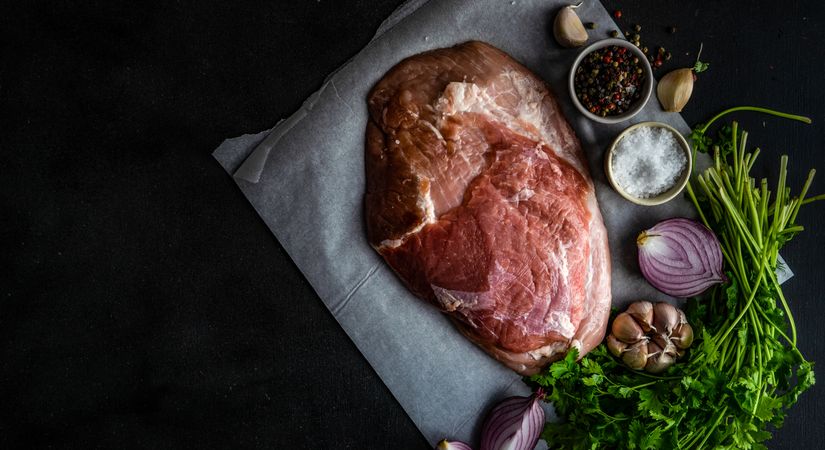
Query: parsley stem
x=772, y=112
x=749, y=302
x=713, y=427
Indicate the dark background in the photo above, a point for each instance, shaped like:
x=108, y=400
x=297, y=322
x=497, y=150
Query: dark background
x=134, y=308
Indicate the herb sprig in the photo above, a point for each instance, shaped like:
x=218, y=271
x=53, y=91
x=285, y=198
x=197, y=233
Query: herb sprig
x=745, y=369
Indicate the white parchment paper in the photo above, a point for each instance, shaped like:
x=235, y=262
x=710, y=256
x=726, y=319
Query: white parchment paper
x=305, y=177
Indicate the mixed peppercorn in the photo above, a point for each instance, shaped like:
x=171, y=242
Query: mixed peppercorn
x=609, y=81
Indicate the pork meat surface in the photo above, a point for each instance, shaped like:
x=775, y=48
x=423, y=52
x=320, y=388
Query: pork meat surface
x=479, y=197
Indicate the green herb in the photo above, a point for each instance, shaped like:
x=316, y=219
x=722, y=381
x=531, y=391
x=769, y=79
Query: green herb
x=699, y=66
x=744, y=371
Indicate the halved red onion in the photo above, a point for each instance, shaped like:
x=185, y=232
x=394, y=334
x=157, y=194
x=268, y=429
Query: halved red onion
x=680, y=257
x=514, y=424
x=452, y=445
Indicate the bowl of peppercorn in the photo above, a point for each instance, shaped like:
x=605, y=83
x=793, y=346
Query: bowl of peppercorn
x=610, y=81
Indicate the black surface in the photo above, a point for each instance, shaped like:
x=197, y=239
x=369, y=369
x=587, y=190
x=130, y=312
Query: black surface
x=134, y=308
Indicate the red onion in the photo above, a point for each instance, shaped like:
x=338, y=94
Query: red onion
x=680, y=257
x=452, y=445
x=514, y=424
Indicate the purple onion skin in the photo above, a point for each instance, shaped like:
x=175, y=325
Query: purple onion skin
x=452, y=445
x=515, y=423
x=680, y=257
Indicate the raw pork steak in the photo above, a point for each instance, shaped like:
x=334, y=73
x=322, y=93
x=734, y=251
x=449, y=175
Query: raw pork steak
x=478, y=196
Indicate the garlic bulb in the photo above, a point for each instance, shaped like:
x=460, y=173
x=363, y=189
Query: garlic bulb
x=674, y=89
x=650, y=337
x=568, y=28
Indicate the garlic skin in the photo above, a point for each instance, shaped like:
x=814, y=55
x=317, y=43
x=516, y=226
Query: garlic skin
x=626, y=329
x=643, y=313
x=568, y=28
x=650, y=337
x=666, y=318
x=674, y=89
x=615, y=346
x=682, y=336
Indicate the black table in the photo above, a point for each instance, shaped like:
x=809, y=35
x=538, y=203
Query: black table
x=134, y=311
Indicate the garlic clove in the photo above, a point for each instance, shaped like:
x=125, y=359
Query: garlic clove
x=642, y=311
x=568, y=28
x=615, y=346
x=636, y=356
x=674, y=89
x=682, y=337
x=626, y=329
x=665, y=318
x=653, y=349
x=659, y=363
x=671, y=350
x=661, y=340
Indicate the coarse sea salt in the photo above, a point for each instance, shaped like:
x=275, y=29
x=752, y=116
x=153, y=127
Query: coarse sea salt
x=648, y=161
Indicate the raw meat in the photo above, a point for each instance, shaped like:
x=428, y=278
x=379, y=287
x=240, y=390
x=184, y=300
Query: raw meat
x=478, y=196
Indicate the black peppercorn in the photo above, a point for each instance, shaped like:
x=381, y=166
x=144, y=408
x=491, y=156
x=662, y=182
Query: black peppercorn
x=609, y=81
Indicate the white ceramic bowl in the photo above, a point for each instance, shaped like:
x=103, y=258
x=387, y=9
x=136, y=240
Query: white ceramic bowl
x=647, y=87
x=664, y=196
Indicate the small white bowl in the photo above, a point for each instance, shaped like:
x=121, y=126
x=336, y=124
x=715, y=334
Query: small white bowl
x=664, y=196
x=647, y=87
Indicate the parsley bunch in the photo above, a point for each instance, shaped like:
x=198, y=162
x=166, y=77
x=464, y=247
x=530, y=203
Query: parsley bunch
x=744, y=370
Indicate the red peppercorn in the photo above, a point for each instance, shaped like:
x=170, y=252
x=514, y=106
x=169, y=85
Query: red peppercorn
x=617, y=13
x=607, y=60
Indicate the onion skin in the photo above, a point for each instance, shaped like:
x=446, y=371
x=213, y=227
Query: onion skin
x=680, y=257
x=514, y=424
x=452, y=445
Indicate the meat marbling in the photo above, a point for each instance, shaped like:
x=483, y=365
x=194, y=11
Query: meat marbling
x=479, y=197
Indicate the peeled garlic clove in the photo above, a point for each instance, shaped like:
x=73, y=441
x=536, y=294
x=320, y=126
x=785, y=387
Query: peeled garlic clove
x=615, y=346
x=682, y=337
x=568, y=28
x=636, y=356
x=665, y=318
x=626, y=329
x=452, y=445
x=674, y=89
x=642, y=311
